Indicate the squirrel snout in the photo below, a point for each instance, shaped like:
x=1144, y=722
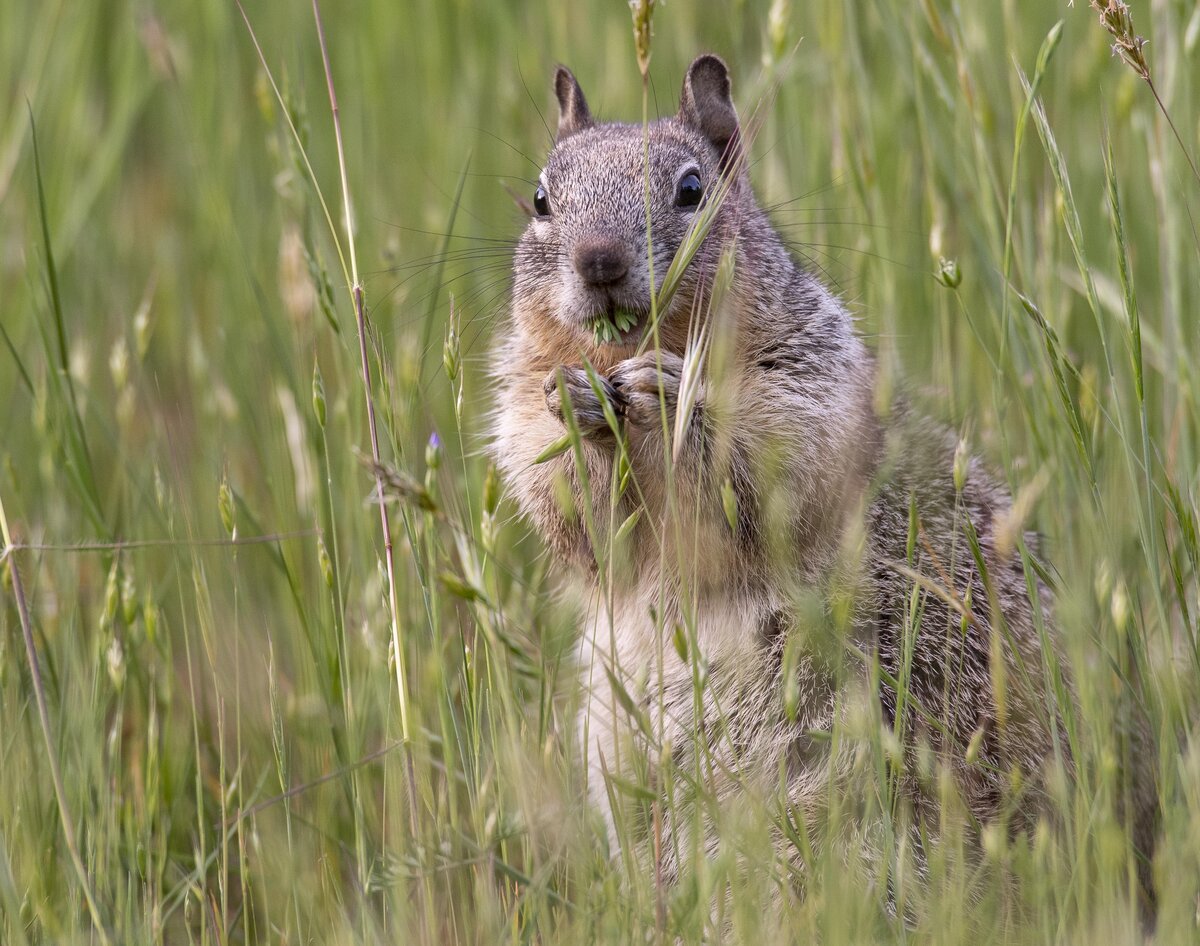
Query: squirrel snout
x=601, y=261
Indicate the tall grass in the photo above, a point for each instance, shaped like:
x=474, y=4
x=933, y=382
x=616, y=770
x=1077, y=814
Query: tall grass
x=202, y=737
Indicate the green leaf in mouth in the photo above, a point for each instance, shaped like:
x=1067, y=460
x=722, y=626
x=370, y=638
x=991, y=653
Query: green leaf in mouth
x=625, y=319
x=607, y=330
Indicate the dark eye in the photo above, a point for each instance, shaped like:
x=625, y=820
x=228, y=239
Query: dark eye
x=541, y=202
x=689, y=191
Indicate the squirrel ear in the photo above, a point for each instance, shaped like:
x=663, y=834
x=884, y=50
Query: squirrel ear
x=706, y=103
x=573, y=114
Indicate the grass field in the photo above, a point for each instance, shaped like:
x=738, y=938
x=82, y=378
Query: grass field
x=216, y=743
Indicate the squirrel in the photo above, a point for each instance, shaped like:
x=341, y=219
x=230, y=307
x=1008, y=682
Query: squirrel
x=779, y=535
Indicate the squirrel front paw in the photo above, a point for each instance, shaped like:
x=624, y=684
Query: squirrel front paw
x=638, y=388
x=587, y=408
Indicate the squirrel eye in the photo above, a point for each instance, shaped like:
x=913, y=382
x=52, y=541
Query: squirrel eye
x=689, y=192
x=541, y=202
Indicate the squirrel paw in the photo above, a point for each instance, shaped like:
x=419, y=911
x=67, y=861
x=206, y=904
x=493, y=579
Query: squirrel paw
x=587, y=408
x=637, y=385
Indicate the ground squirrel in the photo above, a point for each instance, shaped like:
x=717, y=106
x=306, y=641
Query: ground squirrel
x=791, y=512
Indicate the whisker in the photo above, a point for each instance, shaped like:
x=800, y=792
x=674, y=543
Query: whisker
x=509, y=145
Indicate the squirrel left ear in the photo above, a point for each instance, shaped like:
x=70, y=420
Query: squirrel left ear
x=573, y=114
x=706, y=103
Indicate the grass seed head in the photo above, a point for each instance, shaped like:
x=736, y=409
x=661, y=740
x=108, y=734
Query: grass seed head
x=225, y=507
x=948, y=274
x=643, y=14
x=452, y=349
x=325, y=563
x=1129, y=47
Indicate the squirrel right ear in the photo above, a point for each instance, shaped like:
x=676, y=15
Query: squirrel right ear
x=706, y=103
x=573, y=114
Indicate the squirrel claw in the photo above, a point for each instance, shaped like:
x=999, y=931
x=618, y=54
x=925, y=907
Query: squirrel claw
x=586, y=407
x=639, y=387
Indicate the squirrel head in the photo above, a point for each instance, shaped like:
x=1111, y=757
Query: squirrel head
x=586, y=252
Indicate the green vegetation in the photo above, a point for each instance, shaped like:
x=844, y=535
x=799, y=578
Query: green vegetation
x=217, y=743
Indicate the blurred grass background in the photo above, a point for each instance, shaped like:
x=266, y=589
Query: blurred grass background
x=163, y=318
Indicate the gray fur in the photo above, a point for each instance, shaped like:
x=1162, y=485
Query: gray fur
x=822, y=492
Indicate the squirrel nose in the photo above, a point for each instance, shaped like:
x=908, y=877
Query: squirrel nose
x=601, y=261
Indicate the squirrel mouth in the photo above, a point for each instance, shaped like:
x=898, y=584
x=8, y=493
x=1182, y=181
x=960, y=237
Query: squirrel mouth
x=616, y=325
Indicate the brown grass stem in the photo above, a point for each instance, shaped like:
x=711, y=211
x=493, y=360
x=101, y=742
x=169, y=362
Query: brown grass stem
x=360, y=314
x=1130, y=48
x=39, y=694
x=1175, y=131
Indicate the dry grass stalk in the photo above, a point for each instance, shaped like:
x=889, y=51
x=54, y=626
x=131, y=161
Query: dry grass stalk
x=43, y=712
x=360, y=313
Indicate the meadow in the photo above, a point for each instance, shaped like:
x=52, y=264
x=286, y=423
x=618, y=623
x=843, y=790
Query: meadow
x=229, y=715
